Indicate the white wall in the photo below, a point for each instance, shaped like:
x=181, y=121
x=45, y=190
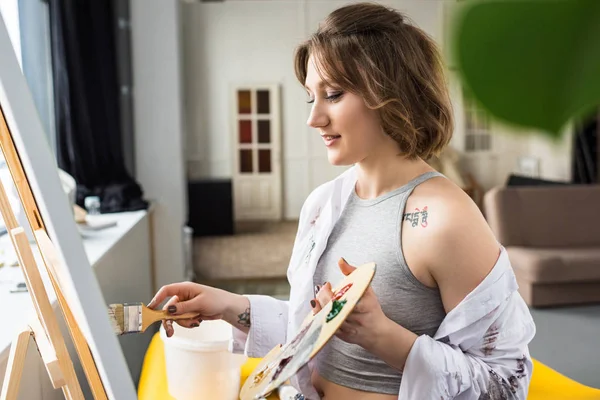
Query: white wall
x=555, y=156
x=253, y=41
x=159, y=127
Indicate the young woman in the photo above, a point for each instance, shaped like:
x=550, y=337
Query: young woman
x=442, y=318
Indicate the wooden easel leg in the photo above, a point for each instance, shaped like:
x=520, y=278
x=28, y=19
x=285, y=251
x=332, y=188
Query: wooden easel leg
x=48, y=354
x=14, y=368
x=56, y=270
x=45, y=312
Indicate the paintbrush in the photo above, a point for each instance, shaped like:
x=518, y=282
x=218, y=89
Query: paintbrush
x=136, y=317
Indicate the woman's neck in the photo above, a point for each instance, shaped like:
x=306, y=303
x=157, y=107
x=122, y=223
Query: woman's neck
x=380, y=174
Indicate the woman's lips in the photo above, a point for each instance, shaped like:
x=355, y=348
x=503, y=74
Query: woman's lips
x=330, y=140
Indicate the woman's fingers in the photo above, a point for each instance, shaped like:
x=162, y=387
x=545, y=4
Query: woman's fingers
x=346, y=268
x=184, y=290
x=316, y=306
x=189, y=323
x=163, y=293
x=168, y=324
x=323, y=295
x=347, y=328
x=346, y=332
x=186, y=323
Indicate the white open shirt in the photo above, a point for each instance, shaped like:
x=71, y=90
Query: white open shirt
x=479, y=350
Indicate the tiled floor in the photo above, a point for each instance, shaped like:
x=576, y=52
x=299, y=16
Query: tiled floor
x=260, y=250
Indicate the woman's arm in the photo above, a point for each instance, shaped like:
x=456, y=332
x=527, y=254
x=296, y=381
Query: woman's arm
x=237, y=313
x=263, y=325
x=459, y=249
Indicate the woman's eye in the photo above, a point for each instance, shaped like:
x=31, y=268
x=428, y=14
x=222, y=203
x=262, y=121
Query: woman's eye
x=329, y=97
x=334, y=96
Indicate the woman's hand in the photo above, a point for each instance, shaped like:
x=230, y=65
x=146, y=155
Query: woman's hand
x=208, y=302
x=365, y=323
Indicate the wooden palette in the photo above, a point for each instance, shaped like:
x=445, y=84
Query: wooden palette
x=282, y=362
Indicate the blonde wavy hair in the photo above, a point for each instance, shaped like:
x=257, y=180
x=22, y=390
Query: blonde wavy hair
x=374, y=52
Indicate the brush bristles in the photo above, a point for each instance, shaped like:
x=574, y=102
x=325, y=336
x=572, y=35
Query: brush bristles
x=117, y=318
x=126, y=318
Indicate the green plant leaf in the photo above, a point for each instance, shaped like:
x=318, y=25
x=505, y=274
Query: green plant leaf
x=534, y=63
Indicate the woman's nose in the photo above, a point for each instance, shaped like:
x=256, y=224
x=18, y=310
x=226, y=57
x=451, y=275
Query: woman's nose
x=318, y=117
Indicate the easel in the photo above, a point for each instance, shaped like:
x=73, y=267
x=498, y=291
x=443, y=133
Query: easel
x=44, y=329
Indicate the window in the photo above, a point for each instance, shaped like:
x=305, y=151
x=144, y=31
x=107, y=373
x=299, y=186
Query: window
x=478, y=135
x=254, y=119
x=28, y=25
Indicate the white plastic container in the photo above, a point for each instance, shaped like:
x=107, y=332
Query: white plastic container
x=199, y=364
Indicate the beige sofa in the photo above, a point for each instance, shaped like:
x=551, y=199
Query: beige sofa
x=552, y=235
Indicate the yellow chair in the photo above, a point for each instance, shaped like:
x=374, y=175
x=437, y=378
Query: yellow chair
x=546, y=383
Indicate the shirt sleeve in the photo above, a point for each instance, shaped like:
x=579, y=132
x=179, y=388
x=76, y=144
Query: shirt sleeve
x=497, y=367
x=268, y=327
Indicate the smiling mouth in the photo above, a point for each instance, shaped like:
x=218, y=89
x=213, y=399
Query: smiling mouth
x=330, y=139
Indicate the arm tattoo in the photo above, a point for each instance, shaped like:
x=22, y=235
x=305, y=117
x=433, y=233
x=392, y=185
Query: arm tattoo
x=244, y=318
x=413, y=217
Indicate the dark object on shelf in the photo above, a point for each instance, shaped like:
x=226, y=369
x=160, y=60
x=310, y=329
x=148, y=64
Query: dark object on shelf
x=586, y=146
x=210, y=207
x=519, y=180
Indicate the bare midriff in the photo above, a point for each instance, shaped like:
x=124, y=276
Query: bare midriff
x=332, y=391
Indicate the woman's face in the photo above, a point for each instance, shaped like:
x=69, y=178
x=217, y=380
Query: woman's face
x=350, y=131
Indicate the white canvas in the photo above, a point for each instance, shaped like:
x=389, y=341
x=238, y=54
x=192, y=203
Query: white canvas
x=80, y=286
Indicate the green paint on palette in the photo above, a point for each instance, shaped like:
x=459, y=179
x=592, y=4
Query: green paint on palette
x=336, y=307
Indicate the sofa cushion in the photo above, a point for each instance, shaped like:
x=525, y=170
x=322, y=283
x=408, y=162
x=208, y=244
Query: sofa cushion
x=552, y=265
x=541, y=217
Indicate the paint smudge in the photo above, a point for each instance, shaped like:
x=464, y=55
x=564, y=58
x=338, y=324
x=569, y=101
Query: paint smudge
x=458, y=378
x=336, y=307
x=258, y=378
x=298, y=351
x=310, y=249
x=489, y=340
x=498, y=389
x=316, y=217
x=281, y=366
x=521, y=367
x=301, y=354
x=520, y=373
x=342, y=292
x=301, y=334
x=266, y=371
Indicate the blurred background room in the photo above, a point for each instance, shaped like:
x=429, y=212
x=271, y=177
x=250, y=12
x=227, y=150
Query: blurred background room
x=184, y=120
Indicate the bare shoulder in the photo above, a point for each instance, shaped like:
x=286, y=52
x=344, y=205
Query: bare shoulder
x=448, y=208
x=458, y=248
